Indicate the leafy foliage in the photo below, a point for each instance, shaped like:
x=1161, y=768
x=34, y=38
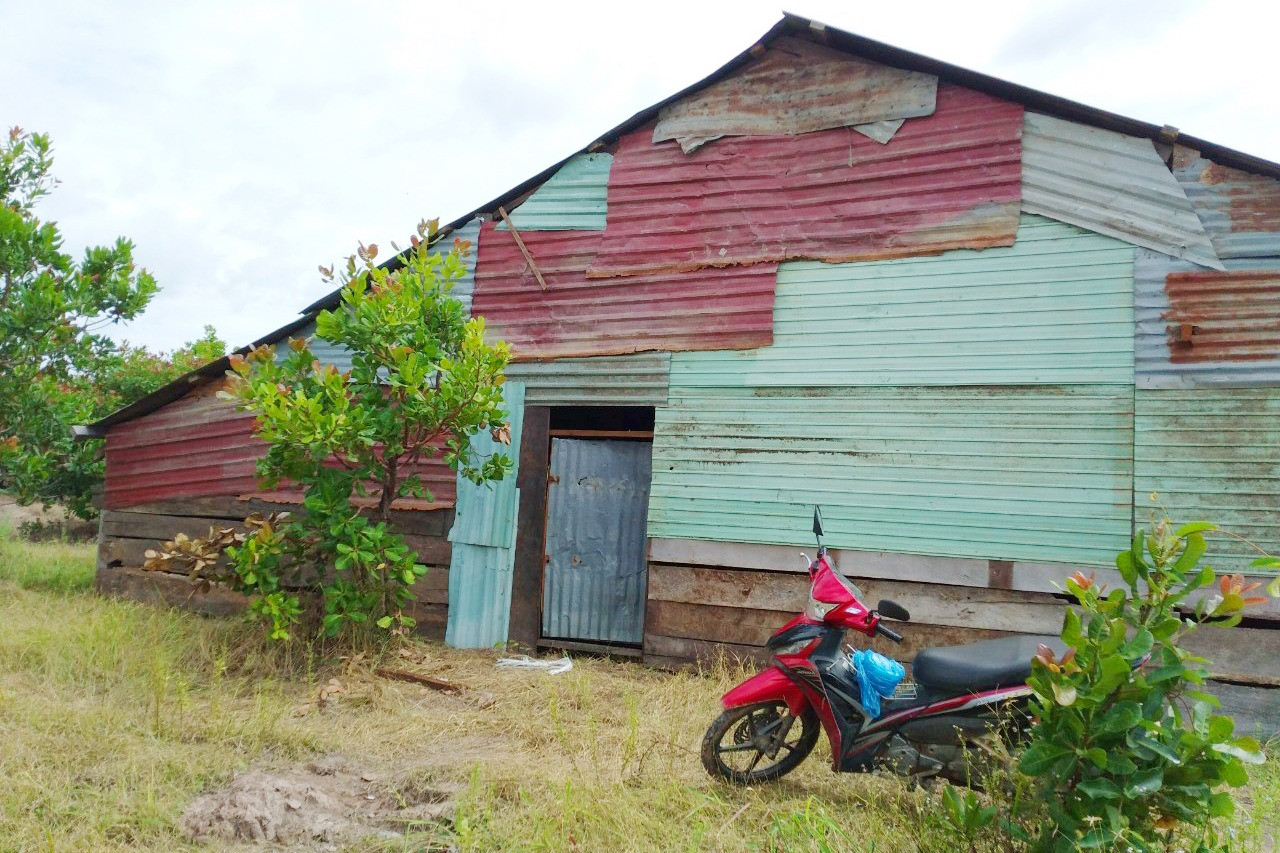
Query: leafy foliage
x=1127, y=749
x=422, y=382
x=58, y=367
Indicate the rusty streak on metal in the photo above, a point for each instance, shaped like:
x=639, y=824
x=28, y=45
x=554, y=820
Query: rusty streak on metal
x=1223, y=316
x=502, y=211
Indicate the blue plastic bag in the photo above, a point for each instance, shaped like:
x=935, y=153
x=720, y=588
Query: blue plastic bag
x=878, y=676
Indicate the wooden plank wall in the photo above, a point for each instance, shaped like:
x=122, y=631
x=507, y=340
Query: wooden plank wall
x=697, y=614
x=125, y=535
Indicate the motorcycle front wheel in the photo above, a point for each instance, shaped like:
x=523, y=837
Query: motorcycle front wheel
x=758, y=743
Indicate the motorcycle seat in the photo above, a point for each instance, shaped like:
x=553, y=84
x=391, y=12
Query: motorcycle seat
x=985, y=665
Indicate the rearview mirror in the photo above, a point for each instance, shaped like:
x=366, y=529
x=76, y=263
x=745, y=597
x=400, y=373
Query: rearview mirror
x=893, y=610
x=817, y=521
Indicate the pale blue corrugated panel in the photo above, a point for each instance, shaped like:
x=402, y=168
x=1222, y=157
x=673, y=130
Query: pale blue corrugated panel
x=1212, y=454
x=594, y=584
x=483, y=538
x=1109, y=183
x=1012, y=473
x=1056, y=307
x=573, y=199
x=607, y=380
x=1153, y=362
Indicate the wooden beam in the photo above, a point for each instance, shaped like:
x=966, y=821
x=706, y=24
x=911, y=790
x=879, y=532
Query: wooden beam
x=502, y=211
x=525, y=626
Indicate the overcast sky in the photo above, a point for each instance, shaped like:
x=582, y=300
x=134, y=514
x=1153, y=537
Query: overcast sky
x=241, y=144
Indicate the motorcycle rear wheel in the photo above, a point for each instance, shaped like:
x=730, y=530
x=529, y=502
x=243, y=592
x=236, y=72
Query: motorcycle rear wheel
x=758, y=743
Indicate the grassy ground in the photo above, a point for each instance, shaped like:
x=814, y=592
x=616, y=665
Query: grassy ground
x=114, y=716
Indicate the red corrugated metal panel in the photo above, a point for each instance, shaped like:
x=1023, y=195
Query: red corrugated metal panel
x=951, y=180
x=200, y=446
x=197, y=446
x=1223, y=316
x=797, y=87
x=708, y=310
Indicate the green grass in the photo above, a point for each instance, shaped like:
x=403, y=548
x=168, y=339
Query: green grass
x=114, y=716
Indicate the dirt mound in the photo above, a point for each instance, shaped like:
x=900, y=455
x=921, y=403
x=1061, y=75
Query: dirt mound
x=325, y=804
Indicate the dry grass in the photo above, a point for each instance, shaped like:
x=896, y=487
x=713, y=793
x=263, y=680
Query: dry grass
x=114, y=716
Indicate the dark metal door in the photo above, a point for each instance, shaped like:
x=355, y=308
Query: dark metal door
x=594, y=585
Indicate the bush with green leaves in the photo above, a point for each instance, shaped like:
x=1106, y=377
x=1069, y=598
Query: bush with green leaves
x=1128, y=751
x=422, y=382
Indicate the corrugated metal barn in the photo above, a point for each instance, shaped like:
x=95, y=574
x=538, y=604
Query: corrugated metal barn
x=978, y=324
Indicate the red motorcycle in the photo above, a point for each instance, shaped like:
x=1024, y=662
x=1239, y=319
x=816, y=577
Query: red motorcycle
x=958, y=694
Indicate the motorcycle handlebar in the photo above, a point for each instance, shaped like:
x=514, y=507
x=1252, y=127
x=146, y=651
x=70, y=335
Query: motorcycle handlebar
x=888, y=632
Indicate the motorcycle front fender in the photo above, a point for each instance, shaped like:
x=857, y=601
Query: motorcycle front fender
x=764, y=686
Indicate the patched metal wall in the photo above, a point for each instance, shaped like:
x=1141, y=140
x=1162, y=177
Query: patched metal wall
x=1056, y=307
x=575, y=197
x=949, y=180
x=484, y=538
x=1212, y=454
x=1111, y=184
x=595, y=579
x=1036, y=473
x=607, y=380
x=1197, y=327
x=797, y=86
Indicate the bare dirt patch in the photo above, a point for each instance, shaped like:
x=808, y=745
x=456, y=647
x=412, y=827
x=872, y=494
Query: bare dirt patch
x=320, y=806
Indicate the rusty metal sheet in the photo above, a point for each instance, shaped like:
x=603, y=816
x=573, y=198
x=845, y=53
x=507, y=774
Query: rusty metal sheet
x=201, y=446
x=1241, y=211
x=1197, y=327
x=718, y=309
x=1109, y=183
x=796, y=86
x=951, y=180
x=197, y=446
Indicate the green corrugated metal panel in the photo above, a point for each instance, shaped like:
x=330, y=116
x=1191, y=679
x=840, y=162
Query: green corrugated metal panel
x=573, y=199
x=1055, y=308
x=605, y=380
x=1212, y=454
x=484, y=537
x=1012, y=473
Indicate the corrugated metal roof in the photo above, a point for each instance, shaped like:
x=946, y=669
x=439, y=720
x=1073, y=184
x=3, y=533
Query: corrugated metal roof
x=1056, y=307
x=574, y=198
x=1212, y=454
x=951, y=180
x=1109, y=183
x=484, y=539
x=1042, y=474
x=720, y=309
x=1232, y=320
x=796, y=86
x=607, y=380
x=198, y=446
x=594, y=583
x=1240, y=211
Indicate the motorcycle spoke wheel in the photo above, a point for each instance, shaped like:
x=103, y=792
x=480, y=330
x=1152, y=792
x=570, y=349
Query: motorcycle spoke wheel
x=758, y=743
